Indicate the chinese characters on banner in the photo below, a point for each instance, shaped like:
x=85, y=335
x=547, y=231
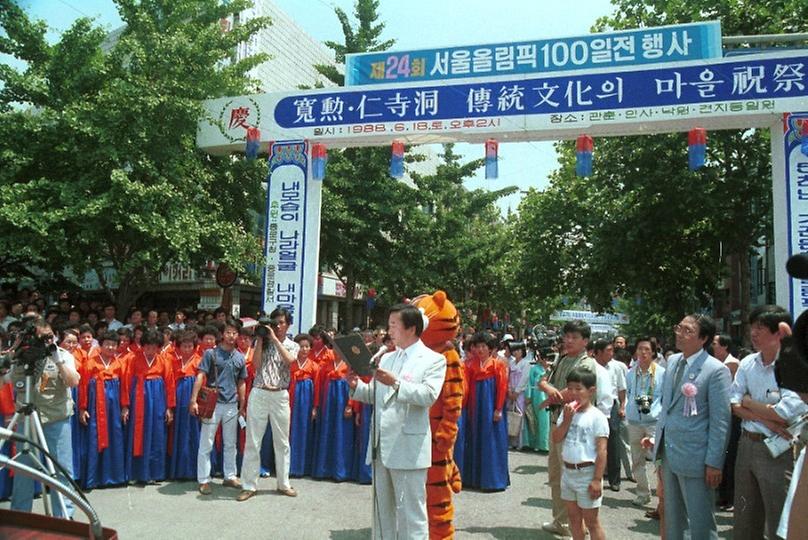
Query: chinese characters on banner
x=562, y=98
x=633, y=47
x=285, y=234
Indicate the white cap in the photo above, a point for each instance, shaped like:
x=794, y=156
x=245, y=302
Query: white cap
x=507, y=337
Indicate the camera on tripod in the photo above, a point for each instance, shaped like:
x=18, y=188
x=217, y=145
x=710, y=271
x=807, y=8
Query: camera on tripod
x=644, y=404
x=27, y=348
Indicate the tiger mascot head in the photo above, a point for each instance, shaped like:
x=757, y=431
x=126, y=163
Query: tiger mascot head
x=444, y=321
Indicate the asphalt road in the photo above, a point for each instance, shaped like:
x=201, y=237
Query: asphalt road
x=174, y=510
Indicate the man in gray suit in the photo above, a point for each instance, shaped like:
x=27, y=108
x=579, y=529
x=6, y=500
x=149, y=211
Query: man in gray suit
x=691, y=434
x=406, y=384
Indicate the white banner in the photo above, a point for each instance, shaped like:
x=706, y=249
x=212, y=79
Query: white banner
x=291, y=238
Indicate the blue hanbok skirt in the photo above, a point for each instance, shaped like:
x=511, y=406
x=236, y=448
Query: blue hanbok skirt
x=333, y=456
x=301, y=430
x=151, y=466
x=458, y=452
x=186, y=429
x=362, y=472
x=105, y=468
x=486, y=453
x=78, y=434
x=6, y=481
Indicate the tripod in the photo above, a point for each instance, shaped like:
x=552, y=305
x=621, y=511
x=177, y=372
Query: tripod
x=32, y=431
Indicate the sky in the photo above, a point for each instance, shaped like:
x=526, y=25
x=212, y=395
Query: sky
x=417, y=24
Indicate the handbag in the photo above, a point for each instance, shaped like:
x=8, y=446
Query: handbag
x=514, y=422
x=208, y=395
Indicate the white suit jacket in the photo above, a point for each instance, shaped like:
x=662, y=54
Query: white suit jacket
x=402, y=417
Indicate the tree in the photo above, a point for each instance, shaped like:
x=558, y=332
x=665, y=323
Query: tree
x=362, y=205
x=643, y=226
x=99, y=162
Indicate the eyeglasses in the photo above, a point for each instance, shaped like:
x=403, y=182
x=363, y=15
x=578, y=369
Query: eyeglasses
x=684, y=330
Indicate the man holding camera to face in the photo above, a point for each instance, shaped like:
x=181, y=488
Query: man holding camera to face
x=643, y=404
x=273, y=353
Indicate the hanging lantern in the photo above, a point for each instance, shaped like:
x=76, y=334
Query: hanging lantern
x=696, y=148
x=584, y=146
x=397, y=160
x=253, y=142
x=491, y=158
x=319, y=158
x=804, y=137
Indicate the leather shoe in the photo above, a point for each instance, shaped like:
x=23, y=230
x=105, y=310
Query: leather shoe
x=205, y=489
x=614, y=487
x=557, y=530
x=232, y=482
x=244, y=495
x=289, y=492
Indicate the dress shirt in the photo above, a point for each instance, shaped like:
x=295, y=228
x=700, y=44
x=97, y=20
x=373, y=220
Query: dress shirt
x=757, y=380
x=639, y=383
x=274, y=372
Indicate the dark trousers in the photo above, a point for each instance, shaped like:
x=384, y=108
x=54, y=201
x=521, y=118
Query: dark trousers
x=760, y=489
x=726, y=491
x=613, y=447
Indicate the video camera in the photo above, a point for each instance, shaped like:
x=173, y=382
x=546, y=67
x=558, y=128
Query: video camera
x=540, y=340
x=264, y=324
x=27, y=348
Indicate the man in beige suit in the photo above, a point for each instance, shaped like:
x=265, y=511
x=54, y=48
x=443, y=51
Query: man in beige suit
x=405, y=385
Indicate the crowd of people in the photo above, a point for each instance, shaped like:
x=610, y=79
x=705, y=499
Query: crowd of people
x=290, y=407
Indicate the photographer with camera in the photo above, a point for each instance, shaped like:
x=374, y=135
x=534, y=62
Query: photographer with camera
x=643, y=405
x=273, y=355
x=50, y=397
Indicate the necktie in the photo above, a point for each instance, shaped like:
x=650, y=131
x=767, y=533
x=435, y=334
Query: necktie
x=680, y=371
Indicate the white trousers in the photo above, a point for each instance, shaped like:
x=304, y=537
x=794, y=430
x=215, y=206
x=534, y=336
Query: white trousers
x=264, y=406
x=639, y=455
x=399, y=503
x=227, y=415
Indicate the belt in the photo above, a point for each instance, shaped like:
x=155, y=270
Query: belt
x=757, y=437
x=581, y=465
x=270, y=388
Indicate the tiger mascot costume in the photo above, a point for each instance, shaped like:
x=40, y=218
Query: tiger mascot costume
x=443, y=477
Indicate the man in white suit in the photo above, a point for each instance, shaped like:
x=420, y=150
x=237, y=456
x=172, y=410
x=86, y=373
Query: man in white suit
x=405, y=385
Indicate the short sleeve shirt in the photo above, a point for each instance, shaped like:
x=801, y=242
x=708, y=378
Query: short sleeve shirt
x=230, y=369
x=580, y=444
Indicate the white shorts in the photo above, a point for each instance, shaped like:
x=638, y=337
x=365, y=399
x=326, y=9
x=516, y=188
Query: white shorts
x=575, y=487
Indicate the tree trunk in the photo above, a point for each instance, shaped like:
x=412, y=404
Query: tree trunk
x=745, y=296
x=350, y=287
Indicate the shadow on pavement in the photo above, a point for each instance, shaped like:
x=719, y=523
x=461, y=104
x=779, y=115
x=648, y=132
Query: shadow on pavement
x=177, y=488
x=510, y=533
x=537, y=502
x=351, y=534
x=529, y=469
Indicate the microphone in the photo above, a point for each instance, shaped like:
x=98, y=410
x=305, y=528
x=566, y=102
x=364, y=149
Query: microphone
x=797, y=266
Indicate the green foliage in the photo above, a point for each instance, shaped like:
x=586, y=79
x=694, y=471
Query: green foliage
x=98, y=159
x=643, y=226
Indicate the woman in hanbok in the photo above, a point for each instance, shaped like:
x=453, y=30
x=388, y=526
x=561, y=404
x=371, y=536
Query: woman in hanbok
x=100, y=415
x=485, y=464
x=304, y=401
x=538, y=419
x=6, y=413
x=334, y=450
x=184, y=432
x=148, y=401
x=518, y=372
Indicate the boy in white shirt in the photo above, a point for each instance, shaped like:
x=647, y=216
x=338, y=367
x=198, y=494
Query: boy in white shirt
x=584, y=431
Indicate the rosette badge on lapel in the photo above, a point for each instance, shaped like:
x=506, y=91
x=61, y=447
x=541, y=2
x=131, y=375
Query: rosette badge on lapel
x=689, y=390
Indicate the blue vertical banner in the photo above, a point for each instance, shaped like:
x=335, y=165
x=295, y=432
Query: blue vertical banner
x=291, y=235
x=794, y=135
